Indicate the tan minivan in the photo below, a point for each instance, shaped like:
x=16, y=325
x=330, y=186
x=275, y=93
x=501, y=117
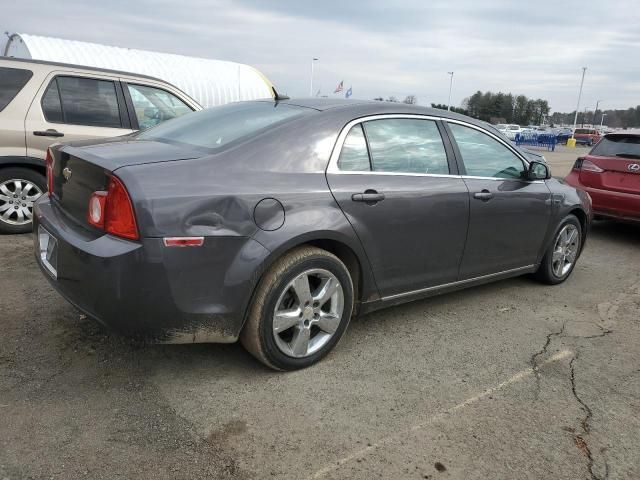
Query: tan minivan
x=43, y=103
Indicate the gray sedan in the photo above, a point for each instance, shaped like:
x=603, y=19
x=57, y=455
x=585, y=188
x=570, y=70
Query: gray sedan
x=274, y=222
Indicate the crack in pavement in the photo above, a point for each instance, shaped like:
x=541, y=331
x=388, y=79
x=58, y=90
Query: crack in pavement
x=580, y=440
x=534, y=358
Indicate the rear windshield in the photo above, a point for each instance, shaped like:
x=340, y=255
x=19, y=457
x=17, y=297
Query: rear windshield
x=11, y=82
x=217, y=127
x=585, y=131
x=618, y=146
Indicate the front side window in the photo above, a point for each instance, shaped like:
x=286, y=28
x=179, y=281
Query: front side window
x=82, y=101
x=153, y=105
x=11, y=82
x=483, y=156
x=405, y=145
x=354, y=156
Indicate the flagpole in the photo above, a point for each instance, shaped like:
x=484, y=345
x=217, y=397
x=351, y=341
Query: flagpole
x=313, y=60
x=450, y=86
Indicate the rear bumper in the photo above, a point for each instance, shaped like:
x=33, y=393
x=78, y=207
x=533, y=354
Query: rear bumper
x=624, y=206
x=146, y=290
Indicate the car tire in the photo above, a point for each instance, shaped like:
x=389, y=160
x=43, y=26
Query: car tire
x=314, y=319
x=33, y=184
x=561, y=257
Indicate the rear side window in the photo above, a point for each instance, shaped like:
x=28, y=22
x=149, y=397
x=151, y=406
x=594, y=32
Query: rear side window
x=354, y=156
x=82, y=101
x=215, y=128
x=624, y=146
x=11, y=82
x=404, y=145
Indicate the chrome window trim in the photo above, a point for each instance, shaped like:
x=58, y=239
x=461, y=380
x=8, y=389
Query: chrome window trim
x=456, y=283
x=337, y=149
x=332, y=167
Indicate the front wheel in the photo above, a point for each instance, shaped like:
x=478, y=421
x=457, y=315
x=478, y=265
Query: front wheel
x=19, y=188
x=300, y=310
x=560, y=259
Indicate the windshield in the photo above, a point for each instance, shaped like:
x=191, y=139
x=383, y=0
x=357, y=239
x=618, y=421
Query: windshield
x=216, y=127
x=618, y=146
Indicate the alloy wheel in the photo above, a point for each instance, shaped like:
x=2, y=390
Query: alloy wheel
x=16, y=201
x=565, y=250
x=308, y=313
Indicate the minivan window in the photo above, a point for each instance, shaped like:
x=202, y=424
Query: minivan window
x=11, y=82
x=405, y=145
x=216, y=127
x=84, y=101
x=154, y=105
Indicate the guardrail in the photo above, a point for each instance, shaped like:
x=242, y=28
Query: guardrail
x=537, y=140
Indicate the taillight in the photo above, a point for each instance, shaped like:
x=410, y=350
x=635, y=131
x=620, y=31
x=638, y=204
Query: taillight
x=589, y=166
x=112, y=211
x=97, y=206
x=49, y=163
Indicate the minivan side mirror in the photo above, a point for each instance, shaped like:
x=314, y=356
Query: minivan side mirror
x=538, y=171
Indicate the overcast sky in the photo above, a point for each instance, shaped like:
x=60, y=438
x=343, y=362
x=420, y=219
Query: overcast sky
x=380, y=48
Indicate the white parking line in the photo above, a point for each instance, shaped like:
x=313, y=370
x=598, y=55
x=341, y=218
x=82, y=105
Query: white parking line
x=518, y=377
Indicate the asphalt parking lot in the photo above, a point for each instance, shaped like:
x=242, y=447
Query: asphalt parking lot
x=511, y=380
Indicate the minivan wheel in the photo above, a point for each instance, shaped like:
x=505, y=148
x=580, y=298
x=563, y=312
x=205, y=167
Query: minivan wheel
x=301, y=308
x=560, y=259
x=19, y=189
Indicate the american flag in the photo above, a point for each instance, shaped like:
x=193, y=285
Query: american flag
x=339, y=87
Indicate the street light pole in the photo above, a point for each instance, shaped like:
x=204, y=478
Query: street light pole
x=450, y=86
x=595, y=112
x=575, y=119
x=313, y=60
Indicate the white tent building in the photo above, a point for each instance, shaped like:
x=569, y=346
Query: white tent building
x=209, y=82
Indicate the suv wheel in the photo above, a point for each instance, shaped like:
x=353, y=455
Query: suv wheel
x=301, y=308
x=19, y=188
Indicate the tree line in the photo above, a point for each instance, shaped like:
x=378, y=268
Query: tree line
x=628, y=118
x=508, y=108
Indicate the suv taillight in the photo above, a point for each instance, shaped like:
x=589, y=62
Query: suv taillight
x=586, y=165
x=49, y=163
x=112, y=211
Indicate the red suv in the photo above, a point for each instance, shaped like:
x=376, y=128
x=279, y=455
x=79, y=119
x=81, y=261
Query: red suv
x=610, y=173
x=586, y=136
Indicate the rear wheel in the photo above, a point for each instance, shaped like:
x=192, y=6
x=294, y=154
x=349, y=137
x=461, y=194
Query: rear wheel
x=19, y=189
x=300, y=310
x=560, y=259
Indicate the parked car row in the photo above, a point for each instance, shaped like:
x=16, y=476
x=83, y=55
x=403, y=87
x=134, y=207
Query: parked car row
x=45, y=102
x=583, y=136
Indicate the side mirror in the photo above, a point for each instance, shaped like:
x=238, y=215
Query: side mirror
x=538, y=171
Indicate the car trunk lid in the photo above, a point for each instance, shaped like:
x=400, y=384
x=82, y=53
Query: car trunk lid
x=80, y=170
x=618, y=174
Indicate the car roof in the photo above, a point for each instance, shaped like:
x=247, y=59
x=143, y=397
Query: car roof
x=632, y=132
x=80, y=67
x=373, y=107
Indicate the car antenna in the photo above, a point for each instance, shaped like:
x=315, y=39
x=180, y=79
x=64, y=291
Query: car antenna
x=277, y=96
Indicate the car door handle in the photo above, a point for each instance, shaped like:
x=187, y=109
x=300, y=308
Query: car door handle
x=48, y=133
x=484, y=195
x=369, y=196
